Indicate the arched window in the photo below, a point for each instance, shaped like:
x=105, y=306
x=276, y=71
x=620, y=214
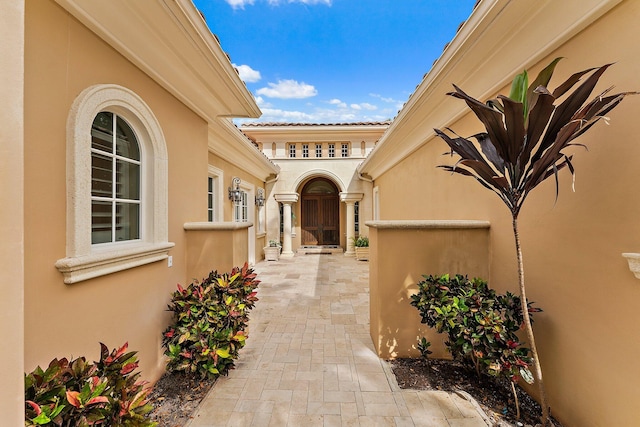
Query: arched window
x=115, y=180
x=117, y=185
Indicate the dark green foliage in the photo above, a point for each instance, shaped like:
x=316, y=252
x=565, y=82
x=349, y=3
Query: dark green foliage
x=78, y=393
x=360, y=241
x=423, y=348
x=209, y=322
x=480, y=324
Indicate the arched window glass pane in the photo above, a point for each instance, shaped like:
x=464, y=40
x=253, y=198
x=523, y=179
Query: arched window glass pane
x=115, y=180
x=320, y=187
x=126, y=143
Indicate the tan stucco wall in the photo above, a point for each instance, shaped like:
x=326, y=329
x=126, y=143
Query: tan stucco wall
x=232, y=170
x=63, y=58
x=12, y=213
x=587, y=335
x=433, y=248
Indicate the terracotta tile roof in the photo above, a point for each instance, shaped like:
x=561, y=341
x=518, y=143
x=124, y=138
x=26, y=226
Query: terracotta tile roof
x=274, y=124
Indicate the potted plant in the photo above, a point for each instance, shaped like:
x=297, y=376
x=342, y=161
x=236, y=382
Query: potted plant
x=361, y=244
x=272, y=252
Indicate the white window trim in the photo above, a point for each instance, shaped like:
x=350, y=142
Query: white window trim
x=86, y=261
x=376, y=203
x=218, y=174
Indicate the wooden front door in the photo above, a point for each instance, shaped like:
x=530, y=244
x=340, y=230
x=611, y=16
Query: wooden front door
x=320, y=212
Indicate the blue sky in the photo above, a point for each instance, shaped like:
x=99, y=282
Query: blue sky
x=333, y=61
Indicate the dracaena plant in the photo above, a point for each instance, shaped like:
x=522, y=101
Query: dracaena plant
x=525, y=142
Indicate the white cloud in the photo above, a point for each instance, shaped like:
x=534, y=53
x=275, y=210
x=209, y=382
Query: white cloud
x=312, y=2
x=262, y=103
x=242, y=3
x=364, y=106
x=288, y=89
x=248, y=74
x=398, y=104
x=338, y=103
x=239, y=3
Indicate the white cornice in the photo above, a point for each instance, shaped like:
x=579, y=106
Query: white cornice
x=169, y=41
x=227, y=142
x=499, y=40
x=314, y=133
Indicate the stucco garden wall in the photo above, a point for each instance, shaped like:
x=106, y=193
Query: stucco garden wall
x=63, y=58
x=587, y=334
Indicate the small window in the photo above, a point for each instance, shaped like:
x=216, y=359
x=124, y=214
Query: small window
x=356, y=216
x=332, y=150
x=318, y=150
x=305, y=150
x=345, y=150
x=292, y=151
x=241, y=210
x=211, y=199
x=115, y=180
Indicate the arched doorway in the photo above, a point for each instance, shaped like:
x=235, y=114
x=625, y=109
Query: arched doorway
x=320, y=213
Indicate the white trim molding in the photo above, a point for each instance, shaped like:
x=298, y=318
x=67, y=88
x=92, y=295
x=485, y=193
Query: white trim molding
x=84, y=260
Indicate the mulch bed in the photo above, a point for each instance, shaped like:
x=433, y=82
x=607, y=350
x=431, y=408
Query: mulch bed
x=492, y=394
x=175, y=398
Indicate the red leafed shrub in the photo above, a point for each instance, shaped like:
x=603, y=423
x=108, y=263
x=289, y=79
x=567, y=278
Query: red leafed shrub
x=78, y=393
x=209, y=325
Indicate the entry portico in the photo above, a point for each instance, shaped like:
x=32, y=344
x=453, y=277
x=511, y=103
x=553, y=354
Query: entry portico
x=318, y=198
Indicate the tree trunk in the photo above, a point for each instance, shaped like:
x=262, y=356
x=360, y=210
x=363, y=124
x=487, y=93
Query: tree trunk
x=537, y=370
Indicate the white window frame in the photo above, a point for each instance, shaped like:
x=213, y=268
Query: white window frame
x=318, y=150
x=86, y=261
x=332, y=150
x=218, y=179
x=292, y=151
x=344, y=150
x=305, y=150
x=113, y=199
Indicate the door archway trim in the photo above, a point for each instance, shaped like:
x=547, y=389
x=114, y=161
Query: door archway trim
x=320, y=173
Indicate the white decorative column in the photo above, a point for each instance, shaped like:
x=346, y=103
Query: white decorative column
x=350, y=200
x=286, y=199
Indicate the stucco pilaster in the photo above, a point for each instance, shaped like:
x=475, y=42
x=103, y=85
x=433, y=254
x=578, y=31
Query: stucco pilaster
x=287, y=199
x=350, y=200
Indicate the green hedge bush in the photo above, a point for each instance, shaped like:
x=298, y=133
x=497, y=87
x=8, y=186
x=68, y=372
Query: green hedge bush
x=480, y=324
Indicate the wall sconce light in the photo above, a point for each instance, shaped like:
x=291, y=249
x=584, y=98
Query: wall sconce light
x=260, y=197
x=235, y=194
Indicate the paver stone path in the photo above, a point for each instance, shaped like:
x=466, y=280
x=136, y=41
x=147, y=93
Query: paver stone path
x=309, y=359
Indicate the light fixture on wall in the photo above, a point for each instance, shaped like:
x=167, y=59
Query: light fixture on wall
x=260, y=197
x=235, y=194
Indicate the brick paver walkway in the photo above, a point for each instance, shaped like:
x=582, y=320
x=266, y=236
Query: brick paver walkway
x=309, y=359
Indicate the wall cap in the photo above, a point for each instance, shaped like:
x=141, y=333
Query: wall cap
x=216, y=226
x=634, y=262
x=427, y=224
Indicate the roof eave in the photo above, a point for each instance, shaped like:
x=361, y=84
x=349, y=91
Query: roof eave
x=170, y=41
